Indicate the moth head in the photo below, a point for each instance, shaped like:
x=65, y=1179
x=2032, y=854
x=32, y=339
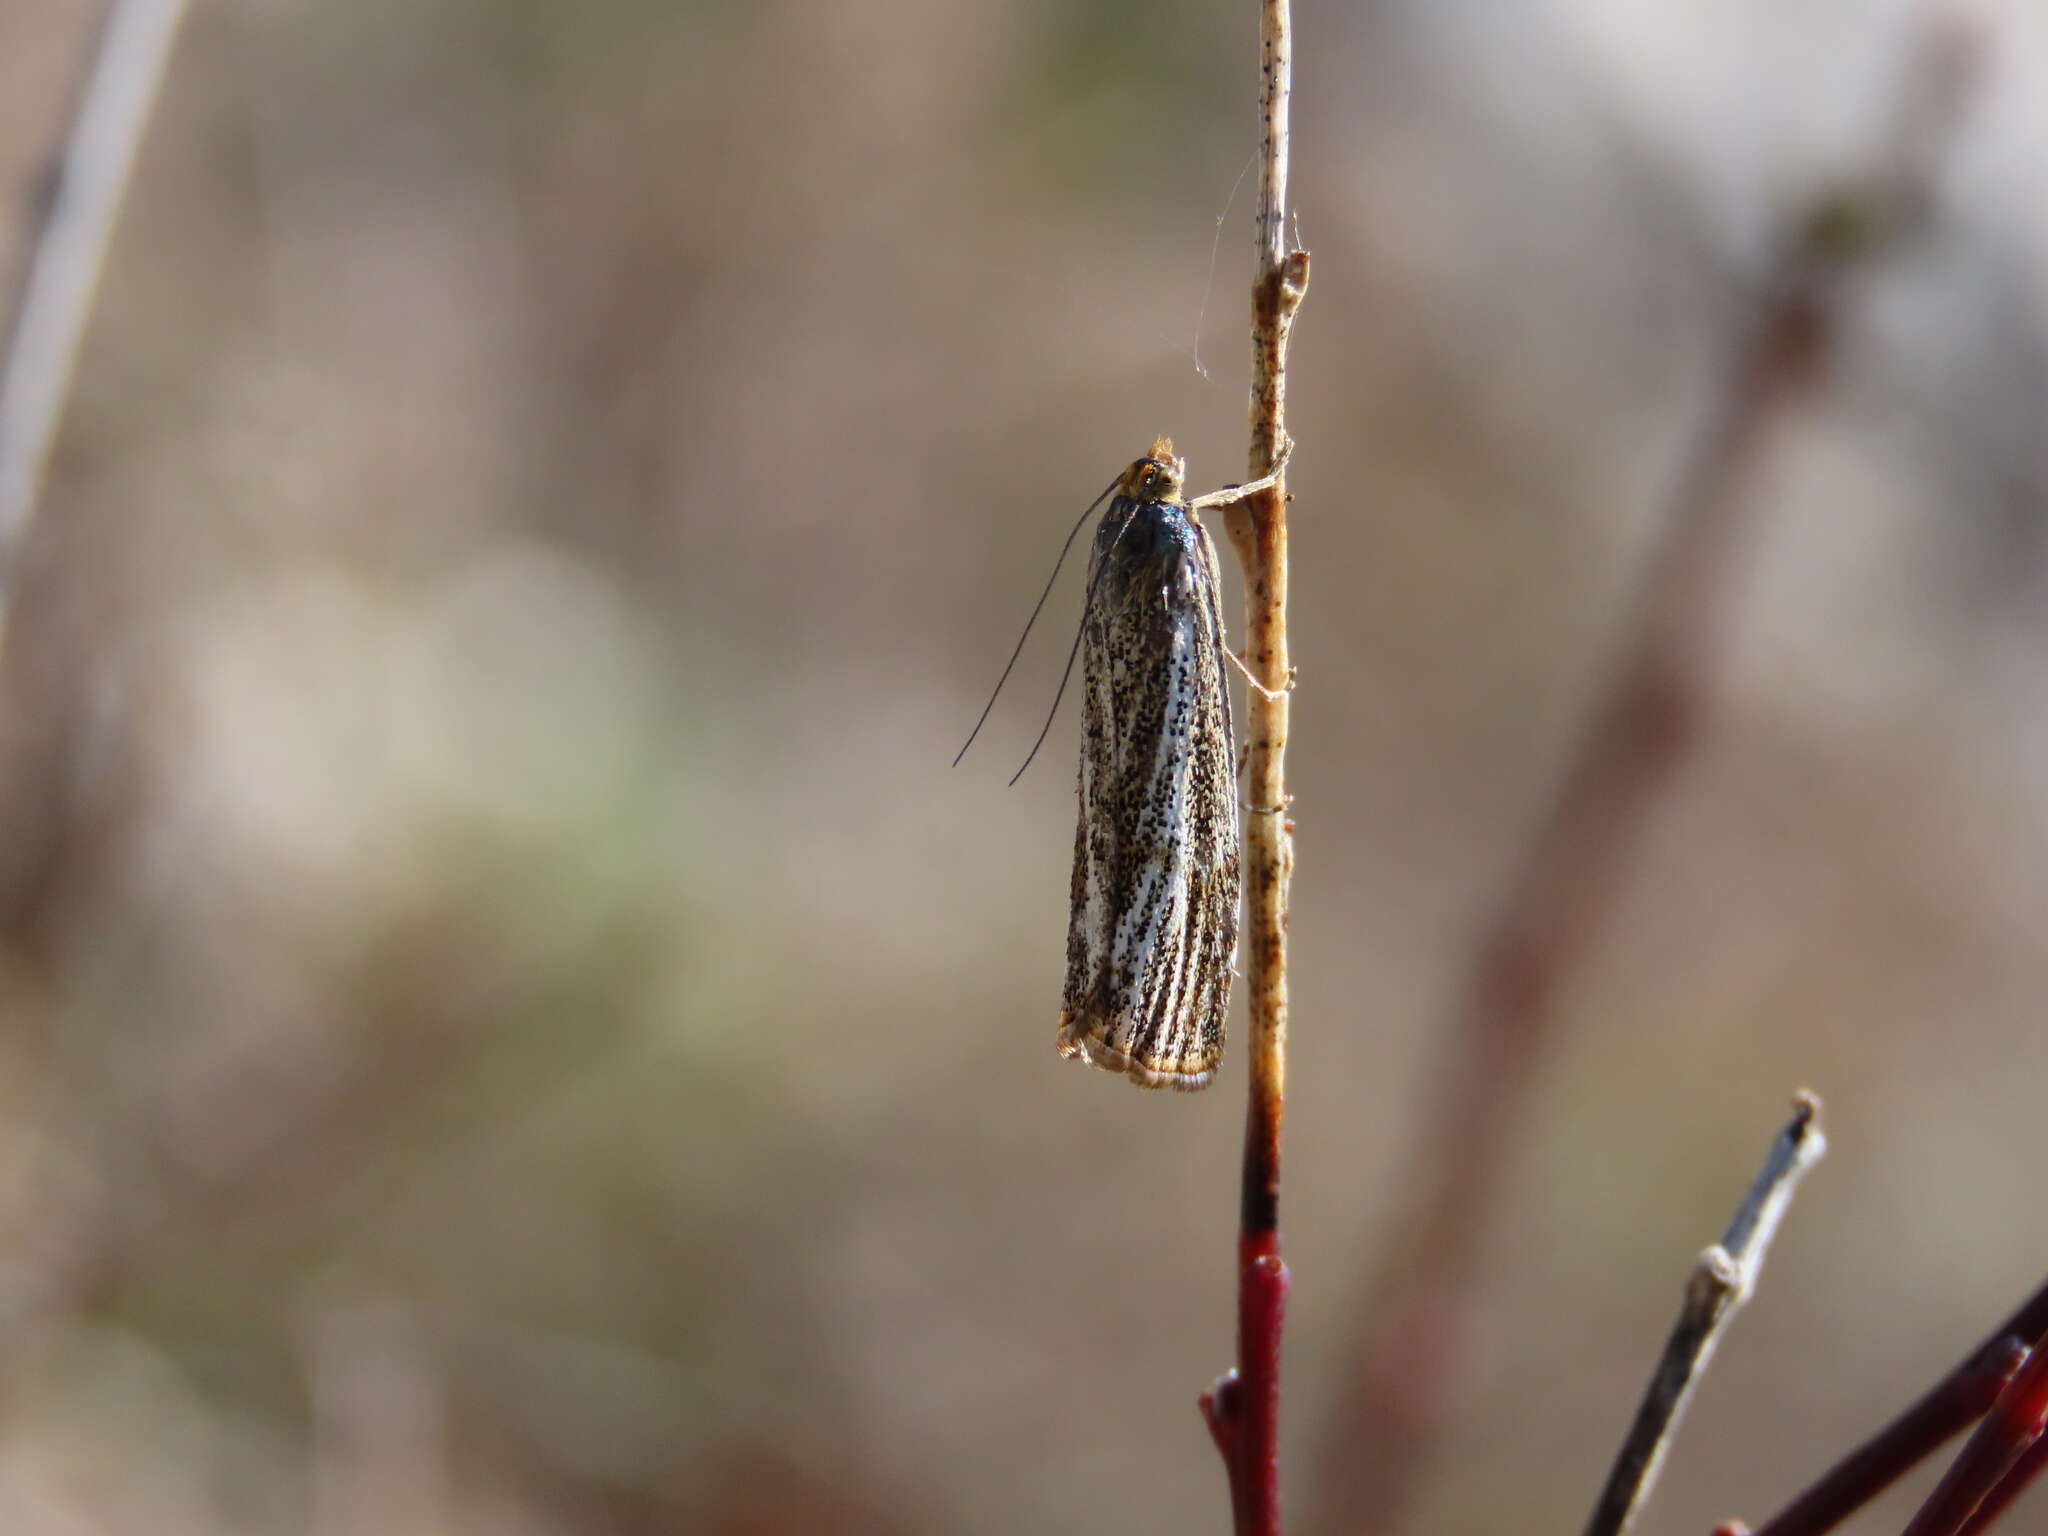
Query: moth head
x=1156, y=477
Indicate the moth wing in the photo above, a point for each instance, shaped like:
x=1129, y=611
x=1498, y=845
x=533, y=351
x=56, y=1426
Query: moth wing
x=1156, y=859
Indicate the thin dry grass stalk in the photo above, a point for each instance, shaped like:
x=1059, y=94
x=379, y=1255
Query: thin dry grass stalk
x=1242, y=1409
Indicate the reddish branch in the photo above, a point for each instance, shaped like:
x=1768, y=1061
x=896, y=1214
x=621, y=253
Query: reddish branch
x=2008, y=1431
x=1242, y=1409
x=2009, y=1488
x=1944, y=1410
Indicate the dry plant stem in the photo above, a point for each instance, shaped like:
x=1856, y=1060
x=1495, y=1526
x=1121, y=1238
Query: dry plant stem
x=1723, y=1279
x=69, y=250
x=1958, y=1400
x=1243, y=1408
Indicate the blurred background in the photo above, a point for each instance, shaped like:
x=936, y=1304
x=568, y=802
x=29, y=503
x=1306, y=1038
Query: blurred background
x=511, y=1024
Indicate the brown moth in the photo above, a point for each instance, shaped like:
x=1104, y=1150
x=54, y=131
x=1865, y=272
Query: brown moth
x=1152, y=939
x=1153, y=934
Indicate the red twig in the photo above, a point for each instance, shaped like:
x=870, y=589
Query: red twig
x=1952, y=1404
x=2009, y=1430
x=2009, y=1488
x=1243, y=1408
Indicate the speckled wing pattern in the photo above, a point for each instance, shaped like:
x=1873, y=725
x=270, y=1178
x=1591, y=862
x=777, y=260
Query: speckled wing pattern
x=1156, y=880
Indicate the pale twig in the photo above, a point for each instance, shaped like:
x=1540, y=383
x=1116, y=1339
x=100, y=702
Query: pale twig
x=1722, y=1280
x=69, y=250
x=1243, y=1408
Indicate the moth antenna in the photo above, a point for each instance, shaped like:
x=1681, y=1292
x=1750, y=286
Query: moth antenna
x=1080, y=630
x=1036, y=609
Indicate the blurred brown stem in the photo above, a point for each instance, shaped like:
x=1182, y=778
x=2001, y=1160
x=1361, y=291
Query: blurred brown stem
x=1243, y=1408
x=1547, y=920
x=1409, y=1361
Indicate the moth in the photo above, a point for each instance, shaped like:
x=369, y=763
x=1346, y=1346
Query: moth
x=1152, y=936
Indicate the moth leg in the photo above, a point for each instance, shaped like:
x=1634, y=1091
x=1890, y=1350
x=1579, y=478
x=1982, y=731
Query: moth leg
x=1236, y=493
x=1271, y=693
